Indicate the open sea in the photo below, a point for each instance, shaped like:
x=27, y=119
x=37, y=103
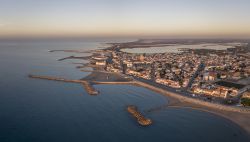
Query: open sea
x=46, y=111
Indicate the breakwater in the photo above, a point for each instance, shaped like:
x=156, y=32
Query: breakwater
x=140, y=118
x=87, y=86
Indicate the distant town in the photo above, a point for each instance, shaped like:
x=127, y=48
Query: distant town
x=219, y=76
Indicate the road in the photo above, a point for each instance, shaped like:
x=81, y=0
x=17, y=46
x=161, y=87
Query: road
x=191, y=80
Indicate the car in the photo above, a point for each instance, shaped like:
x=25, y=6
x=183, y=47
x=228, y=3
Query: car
x=178, y=90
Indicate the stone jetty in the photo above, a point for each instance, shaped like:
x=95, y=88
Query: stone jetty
x=140, y=118
x=88, y=87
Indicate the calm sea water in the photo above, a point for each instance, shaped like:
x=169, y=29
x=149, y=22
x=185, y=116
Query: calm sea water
x=46, y=111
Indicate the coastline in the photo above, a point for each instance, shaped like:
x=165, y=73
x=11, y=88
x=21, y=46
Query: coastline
x=237, y=117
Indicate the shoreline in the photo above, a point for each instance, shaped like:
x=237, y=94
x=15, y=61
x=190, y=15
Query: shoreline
x=175, y=100
x=238, y=115
x=239, y=118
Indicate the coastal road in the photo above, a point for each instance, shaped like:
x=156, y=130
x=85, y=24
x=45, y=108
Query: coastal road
x=180, y=92
x=167, y=88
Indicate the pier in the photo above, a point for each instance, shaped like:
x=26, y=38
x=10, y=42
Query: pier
x=87, y=86
x=140, y=118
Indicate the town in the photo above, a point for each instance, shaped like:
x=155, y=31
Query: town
x=221, y=76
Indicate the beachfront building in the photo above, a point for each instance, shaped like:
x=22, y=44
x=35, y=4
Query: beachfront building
x=220, y=89
x=246, y=95
x=209, y=76
x=168, y=82
x=101, y=63
x=215, y=92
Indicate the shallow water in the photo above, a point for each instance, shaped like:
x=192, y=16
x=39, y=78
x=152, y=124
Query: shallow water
x=174, y=48
x=38, y=110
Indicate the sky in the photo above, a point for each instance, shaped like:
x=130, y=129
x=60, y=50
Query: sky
x=125, y=18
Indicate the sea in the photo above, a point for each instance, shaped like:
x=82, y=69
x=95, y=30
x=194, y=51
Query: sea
x=34, y=110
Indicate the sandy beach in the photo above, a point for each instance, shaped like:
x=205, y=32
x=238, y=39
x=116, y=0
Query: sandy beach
x=237, y=115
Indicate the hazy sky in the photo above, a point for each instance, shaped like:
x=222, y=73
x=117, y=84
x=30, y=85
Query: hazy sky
x=166, y=18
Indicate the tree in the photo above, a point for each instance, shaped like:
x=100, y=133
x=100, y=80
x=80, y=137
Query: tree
x=180, y=82
x=200, y=84
x=245, y=101
x=162, y=73
x=219, y=76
